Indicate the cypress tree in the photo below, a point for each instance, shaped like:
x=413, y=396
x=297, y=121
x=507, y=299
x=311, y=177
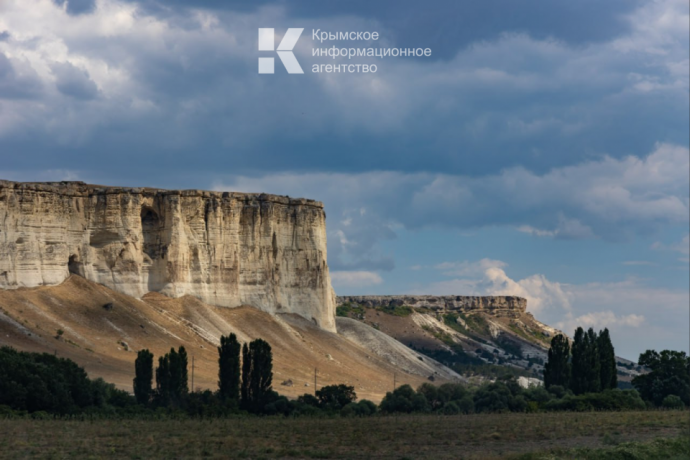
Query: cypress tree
x=229, y=368
x=607, y=358
x=245, y=391
x=262, y=371
x=180, y=375
x=171, y=377
x=557, y=369
x=594, y=369
x=578, y=380
x=143, y=380
x=163, y=383
x=257, y=374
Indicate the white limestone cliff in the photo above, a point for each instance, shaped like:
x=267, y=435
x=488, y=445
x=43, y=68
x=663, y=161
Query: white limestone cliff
x=225, y=248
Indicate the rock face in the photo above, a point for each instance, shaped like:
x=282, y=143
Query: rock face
x=225, y=248
x=502, y=306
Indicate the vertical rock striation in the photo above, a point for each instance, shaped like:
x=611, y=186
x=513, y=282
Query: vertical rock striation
x=225, y=248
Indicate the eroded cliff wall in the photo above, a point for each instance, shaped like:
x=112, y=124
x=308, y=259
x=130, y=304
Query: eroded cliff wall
x=501, y=306
x=225, y=248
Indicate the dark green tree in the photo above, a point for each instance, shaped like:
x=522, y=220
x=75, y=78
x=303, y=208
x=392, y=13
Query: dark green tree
x=257, y=375
x=607, y=358
x=43, y=382
x=171, y=378
x=229, y=369
x=557, y=369
x=163, y=385
x=143, y=380
x=586, y=368
x=335, y=397
x=594, y=375
x=180, y=374
x=669, y=374
x=246, y=372
x=578, y=379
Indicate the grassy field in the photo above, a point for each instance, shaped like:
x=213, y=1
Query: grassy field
x=531, y=436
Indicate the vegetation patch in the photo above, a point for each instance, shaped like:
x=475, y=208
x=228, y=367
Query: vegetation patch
x=477, y=324
x=350, y=310
x=530, y=335
x=396, y=310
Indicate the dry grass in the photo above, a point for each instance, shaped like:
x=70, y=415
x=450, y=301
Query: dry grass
x=476, y=436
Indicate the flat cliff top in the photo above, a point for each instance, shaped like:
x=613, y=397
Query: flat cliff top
x=81, y=189
x=429, y=297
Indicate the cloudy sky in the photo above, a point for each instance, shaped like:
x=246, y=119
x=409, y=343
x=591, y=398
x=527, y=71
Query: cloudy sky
x=541, y=150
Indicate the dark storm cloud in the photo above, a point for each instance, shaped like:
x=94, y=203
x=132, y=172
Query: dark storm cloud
x=74, y=82
x=192, y=103
x=450, y=25
x=17, y=85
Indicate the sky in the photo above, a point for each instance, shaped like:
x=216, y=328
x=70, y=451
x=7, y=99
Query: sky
x=540, y=150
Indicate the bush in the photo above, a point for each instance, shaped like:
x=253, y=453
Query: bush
x=539, y=395
x=673, y=402
x=557, y=390
x=335, y=397
x=364, y=408
x=495, y=397
x=400, y=400
x=451, y=408
x=309, y=400
x=610, y=400
x=41, y=415
x=466, y=405
x=452, y=392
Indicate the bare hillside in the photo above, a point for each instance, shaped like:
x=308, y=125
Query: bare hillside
x=102, y=329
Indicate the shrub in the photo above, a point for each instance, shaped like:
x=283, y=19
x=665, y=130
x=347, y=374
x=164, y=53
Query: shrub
x=466, y=405
x=452, y=392
x=557, y=390
x=673, y=402
x=309, y=400
x=495, y=397
x=451, y=408
x=431, y=393
x=400, y=400
x=41, y=415
x=610, y=400
x=364, y=408
x=539, y=395
x=335, y=397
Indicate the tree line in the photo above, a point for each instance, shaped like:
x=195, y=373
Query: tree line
x=247, y=387
x=589, y=367
x=581, y=377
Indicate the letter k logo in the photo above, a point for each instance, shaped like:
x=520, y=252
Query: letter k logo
x=267, y=43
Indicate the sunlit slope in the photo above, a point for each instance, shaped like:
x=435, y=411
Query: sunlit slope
x=102, y=330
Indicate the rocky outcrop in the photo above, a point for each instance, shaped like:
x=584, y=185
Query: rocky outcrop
x=502, y=306
x=225, y=248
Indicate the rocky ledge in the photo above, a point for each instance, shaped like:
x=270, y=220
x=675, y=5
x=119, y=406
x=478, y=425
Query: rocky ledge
x=507, y=306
